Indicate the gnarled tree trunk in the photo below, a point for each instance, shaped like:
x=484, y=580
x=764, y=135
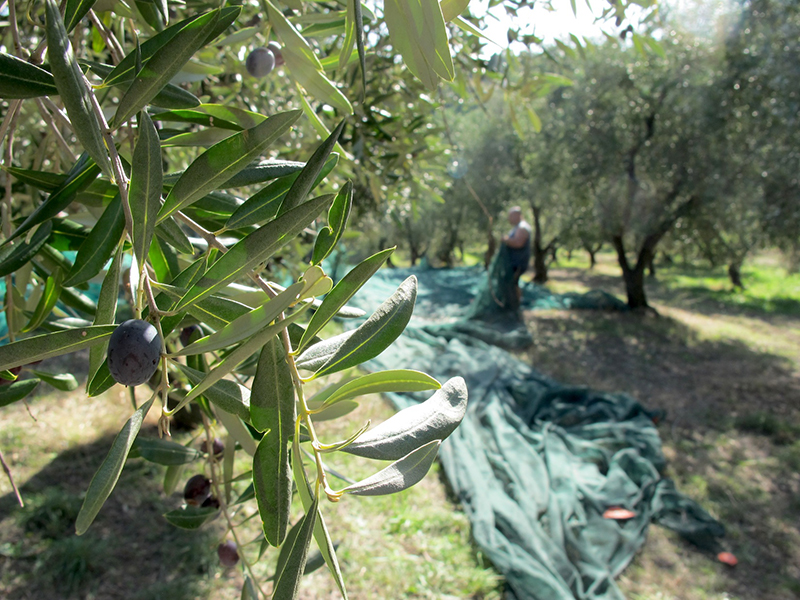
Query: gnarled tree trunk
x=735, y=274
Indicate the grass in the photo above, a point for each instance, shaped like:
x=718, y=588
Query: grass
x=412, y=544
x=723, y=364
x=725, y=367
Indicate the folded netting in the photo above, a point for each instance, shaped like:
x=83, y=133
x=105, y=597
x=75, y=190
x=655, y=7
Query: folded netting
x=536, y=464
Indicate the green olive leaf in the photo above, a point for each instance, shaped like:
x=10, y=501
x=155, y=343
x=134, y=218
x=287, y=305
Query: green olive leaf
x=370, y=339
x=191, y=517
x=47, y=301
x=287, y=578
x=400, y=475
x=246, y=325
x=305, y=181
x=272, y=408
x=329, y=236
x=224, y=160
x=82, y=173
x=107, y=475
x=264, y=204
x=65, y=382
x=321, y=535
x=99, y=245
x=341, y=294
x=254, y=249
x=417, y=31
x=17, y=390
x=21, y=79
x=382, y=382
x=105, y=313
x=13, y=258
x=73, y=89
x=412, y=427
x=144, y=195
x=165, y=452
x=164, y=64
x=28, y=350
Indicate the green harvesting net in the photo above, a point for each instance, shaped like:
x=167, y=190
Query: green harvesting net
x=535, y=464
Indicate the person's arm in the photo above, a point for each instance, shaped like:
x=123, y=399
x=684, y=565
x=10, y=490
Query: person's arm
x=518, y=239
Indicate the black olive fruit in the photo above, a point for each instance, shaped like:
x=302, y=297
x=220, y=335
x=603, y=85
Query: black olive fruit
x=260, y=62
x=275, y=48
x=133, y=352
x=197, y=490
x=210, y=502
x=190, y=334
x=228, y=554
x=217, y=447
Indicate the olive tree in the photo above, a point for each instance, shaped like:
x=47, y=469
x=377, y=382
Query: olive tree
x=152, y=149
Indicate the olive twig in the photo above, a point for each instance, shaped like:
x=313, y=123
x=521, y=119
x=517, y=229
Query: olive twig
x=223, y=507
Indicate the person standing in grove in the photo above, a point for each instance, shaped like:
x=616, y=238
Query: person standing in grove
x=518, y=242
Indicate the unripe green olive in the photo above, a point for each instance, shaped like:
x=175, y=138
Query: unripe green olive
x=260, y=62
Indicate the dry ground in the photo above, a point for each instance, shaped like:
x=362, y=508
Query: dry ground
x=729, y=379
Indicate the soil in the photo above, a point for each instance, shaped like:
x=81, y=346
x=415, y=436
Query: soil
x=729, y=381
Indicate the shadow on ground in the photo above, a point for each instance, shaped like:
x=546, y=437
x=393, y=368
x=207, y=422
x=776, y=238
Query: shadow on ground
x=731, y=435
x=130, y=552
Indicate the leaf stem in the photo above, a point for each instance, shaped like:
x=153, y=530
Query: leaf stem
x=223, y=505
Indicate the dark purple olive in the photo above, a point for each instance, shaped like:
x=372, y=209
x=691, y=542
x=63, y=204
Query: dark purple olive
x=133, y=352
x=275, y=48
x=228, y=554
x=190, y=334
x=217, y=447
x=197, y=490
x=210, y=502
x=260, y=62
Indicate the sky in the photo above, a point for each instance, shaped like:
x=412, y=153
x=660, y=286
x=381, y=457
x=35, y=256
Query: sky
x=549, y=25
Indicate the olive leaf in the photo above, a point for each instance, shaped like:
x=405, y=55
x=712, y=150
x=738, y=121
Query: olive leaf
x=272, y=408
x=17, y=390
x=418, y=33
x=398, y=476
x=165, y=452
x=287, y=578
x=369, y=340
x=107, y=475
x=172, y=475
x=73, y=89
x=144, y=194
x=247, y=324
x=191, y=517
x=224, y=160
x=342, y=292
x=321, y=535
x=21, y=79
x=170, y=96
x=29, y=350
x=12, y=258
x=264, y=204
x=65, y=382
x=164, y=64
x=329, y=236
x=105, y=313
x=99, y=245
x=412, y=427
x=305, y=181
x=227, y=395
x=82, y=173
x=398, y=380
x=47, y=301
x=254, y=249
